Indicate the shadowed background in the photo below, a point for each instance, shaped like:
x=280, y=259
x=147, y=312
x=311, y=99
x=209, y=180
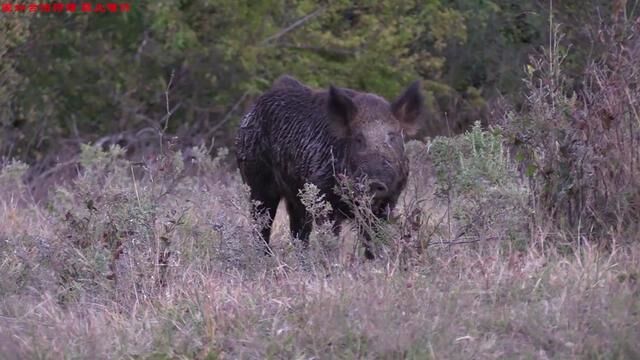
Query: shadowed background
x=193, y=67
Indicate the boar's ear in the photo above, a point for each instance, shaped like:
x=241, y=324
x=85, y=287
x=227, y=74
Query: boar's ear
x=342, y=111
x=408, y=107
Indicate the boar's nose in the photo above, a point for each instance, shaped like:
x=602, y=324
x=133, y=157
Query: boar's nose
x=378, y=189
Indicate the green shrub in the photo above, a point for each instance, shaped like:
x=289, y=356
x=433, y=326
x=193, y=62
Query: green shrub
x=476, y=177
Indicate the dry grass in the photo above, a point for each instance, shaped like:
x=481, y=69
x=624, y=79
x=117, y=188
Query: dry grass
x=578, y=139
x=165, y=266
x=460, y=305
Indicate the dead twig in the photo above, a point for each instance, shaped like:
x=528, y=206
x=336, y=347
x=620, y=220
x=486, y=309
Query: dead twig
x=293, y=26
x=166, y=97
x=166, y=117
x=448, y=243
x=228, y=115
x=58, y=167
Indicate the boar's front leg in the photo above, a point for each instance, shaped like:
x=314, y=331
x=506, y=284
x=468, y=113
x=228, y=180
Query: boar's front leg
x=300, y=222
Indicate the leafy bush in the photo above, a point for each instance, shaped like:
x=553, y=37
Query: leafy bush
x=476, y=177
x=112, y=73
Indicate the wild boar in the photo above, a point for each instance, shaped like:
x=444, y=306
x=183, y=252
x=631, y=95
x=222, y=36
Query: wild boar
x=294, y=135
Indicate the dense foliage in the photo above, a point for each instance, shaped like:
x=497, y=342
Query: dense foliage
x=201, y=62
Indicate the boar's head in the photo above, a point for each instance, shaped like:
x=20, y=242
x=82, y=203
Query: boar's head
x=372, y=133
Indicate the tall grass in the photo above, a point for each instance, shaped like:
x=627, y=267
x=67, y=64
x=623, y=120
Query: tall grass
x=578, y=143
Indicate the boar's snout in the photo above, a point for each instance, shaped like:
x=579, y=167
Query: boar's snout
x=383, y=192
x=382, y=180
x=381, y=198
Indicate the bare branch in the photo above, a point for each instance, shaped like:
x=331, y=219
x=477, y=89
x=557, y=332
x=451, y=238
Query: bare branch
x=166, y=117
x=58, y=167
x=293, y=26
x=166, y=96
x=228, y=115
x=448, y=243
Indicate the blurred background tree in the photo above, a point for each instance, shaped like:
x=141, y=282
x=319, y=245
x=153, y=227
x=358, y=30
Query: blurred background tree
x=195, y=65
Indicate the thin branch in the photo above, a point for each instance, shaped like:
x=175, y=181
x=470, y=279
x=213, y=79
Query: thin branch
x=166, y=96
x=166, y=116
x=59, y=167
x=463, y=241
x=293, y=26
x=143, y=43
x=228, y=115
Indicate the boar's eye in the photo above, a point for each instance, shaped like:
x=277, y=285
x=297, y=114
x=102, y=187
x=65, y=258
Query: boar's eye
x=394, y=138
x=359, y=142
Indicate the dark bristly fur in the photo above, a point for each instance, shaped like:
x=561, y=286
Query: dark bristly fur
x=295, y=135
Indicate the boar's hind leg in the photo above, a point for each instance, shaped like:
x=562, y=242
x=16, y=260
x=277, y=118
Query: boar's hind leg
x=269, y=205
x=299, y=221
x=262, y=189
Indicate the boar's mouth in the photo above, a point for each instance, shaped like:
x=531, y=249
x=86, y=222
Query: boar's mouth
x=381, y=208
x=379, y=203
x=379, y=183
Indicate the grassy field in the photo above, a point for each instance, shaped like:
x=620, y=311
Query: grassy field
x=131, y=261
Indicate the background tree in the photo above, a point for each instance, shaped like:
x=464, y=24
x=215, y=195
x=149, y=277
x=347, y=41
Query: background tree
x=71, y=78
